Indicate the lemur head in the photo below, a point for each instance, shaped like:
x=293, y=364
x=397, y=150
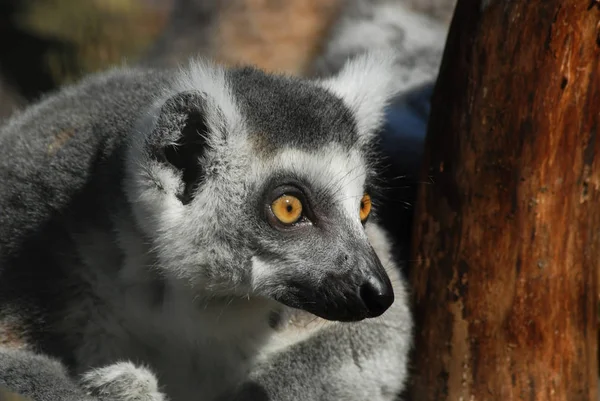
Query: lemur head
x=250, y=183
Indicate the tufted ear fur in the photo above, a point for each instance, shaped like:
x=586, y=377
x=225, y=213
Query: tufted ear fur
x=367, y=84
x=179, y=139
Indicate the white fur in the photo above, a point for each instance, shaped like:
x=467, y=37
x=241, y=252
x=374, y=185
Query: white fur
x=189, y=341
x=342, y=173
x=401, y=315
x=386, y=25
x=261, y=272
x=159, y=210
x=123, y=381
x=210, y=79
x=390, y=24
x=366, y=84
x=153, y=208
x=185, y=336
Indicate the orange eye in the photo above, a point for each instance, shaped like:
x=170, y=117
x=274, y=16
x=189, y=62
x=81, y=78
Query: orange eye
x=365, y=207
x=287, y=209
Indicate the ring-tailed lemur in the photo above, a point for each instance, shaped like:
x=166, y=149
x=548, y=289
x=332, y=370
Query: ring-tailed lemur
x=200, y=234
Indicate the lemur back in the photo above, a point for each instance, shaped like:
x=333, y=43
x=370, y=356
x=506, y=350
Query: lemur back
x=213, y=225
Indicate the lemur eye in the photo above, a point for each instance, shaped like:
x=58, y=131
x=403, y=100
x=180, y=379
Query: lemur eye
x=287, y=209
x=365, y=207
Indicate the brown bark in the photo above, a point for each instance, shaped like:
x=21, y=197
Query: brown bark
x=508, y=225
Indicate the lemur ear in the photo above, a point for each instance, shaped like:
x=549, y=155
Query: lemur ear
x=367, y=84
x=178, y=139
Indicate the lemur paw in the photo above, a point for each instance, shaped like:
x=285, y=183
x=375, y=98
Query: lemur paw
x=122, y=381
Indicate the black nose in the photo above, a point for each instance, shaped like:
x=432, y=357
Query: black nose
x=377, y=295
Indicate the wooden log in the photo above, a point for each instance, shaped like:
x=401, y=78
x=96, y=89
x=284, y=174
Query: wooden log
x=507, y=227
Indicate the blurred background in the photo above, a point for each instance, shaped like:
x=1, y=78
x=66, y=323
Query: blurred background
x=47, y=43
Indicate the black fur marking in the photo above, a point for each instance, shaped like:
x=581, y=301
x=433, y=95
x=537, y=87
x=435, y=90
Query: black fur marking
x=178, y=139
x=286, y=111
x=274, y=320
x=186, y=154
x=251, y=391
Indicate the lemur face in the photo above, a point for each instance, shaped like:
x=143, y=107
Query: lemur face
x=310, y=249
x=249, y=183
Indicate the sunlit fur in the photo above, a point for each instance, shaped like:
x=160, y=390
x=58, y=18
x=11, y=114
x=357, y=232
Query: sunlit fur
x=143, y=261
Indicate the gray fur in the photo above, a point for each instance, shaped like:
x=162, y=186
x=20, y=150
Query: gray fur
x=43, y=378
x=317, y=117
x=122, y=381
x=40, y=377
x=133, y=228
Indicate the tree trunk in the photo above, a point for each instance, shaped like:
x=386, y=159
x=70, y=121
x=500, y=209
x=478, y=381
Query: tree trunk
x=507, y=225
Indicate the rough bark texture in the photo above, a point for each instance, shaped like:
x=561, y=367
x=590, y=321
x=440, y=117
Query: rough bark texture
x=508, y=224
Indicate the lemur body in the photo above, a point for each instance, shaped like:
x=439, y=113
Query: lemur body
x=139, y=226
